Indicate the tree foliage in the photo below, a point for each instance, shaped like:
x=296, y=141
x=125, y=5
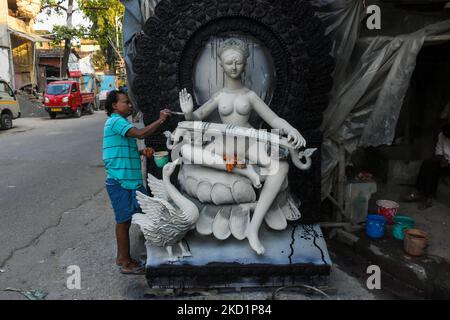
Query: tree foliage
x=99, y=60
x=53, y=6
x=105, y=16
x=64, y=33
x=61, y=33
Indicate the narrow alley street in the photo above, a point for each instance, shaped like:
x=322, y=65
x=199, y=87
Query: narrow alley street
x=47, y=167
x=52, y=190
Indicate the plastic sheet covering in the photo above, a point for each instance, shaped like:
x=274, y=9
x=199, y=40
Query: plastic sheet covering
x=86, y=65
x=370, y=82
x=342, y=19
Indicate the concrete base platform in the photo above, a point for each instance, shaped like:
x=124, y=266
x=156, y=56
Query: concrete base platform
x=296, y=255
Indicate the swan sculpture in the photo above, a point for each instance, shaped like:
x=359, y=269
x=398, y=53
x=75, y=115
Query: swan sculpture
x=168, y=216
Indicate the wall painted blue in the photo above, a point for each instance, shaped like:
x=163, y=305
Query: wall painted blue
x=108, y=83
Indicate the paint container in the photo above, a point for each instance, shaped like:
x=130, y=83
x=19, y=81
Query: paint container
x=401, y=223
x=161, y=158
x=375, y=224
x=415, y=242
x=388, y=209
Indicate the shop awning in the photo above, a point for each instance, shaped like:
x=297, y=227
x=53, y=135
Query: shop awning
x=30, y=36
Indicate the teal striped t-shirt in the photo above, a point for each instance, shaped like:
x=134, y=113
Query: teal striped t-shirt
x=120, y=153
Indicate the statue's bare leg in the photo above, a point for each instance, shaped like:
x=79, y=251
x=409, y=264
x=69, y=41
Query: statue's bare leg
x=184, y=252
x=272, y=185
x=198, y=155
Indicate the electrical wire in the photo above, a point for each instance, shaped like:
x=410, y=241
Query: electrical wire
x=300, y=286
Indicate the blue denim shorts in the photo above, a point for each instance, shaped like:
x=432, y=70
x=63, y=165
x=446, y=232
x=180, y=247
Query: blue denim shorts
x=123, y=201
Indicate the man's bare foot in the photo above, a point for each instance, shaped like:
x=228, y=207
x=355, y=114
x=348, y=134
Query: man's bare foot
x=130, y=262
x=131, y=267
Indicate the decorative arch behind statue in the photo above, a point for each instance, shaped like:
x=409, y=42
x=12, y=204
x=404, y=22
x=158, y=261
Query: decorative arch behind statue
x=168, y=47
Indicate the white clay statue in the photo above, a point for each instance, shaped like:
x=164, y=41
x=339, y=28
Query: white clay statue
x=168, y=216
x=235, y=103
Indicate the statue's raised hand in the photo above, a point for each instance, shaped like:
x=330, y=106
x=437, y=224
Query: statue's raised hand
x=186, y=103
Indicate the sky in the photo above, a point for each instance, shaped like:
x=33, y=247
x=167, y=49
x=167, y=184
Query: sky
x=44, y=22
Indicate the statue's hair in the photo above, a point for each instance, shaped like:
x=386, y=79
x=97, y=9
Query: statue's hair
x=234, y=44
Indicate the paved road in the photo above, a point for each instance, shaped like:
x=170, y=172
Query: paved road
x=47, y=167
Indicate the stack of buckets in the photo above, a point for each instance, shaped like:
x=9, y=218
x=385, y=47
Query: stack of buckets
x=375, y=223
x=414, y=240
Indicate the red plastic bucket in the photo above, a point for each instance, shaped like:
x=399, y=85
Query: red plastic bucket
x=388, y=209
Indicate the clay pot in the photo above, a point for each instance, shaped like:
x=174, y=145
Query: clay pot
x=415, y=242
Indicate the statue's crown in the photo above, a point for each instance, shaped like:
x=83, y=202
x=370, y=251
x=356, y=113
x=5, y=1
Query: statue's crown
x=234, y=44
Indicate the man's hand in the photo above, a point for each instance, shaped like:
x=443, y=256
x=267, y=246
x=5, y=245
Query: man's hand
x=164, y=114
x=151, y=128
x=147, y=152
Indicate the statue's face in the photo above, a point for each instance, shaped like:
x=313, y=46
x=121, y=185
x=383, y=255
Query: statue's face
x=233, y=63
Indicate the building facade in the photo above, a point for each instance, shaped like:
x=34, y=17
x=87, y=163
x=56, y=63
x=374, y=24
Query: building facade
x=18, y=42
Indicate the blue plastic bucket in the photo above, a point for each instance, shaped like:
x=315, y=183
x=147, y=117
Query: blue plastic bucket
x=375, y=225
